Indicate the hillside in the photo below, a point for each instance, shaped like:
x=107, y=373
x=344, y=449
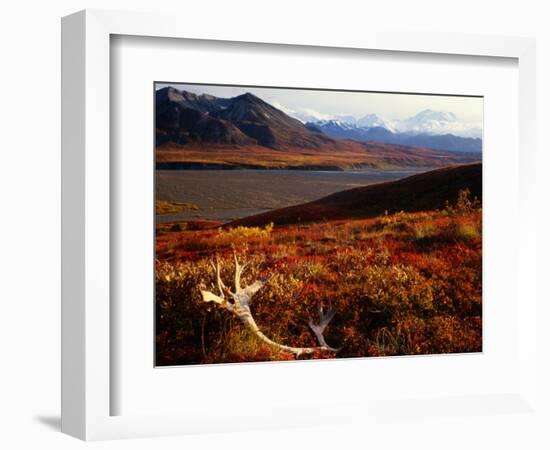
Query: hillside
x=349, y=155
x=183, y=117
x=425, y=191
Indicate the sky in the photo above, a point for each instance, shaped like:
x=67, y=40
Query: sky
x=395, y=108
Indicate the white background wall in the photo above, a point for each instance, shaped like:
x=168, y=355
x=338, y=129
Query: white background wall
x=30, y=197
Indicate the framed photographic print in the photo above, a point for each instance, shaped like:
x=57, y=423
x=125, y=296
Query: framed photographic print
x=257, y=208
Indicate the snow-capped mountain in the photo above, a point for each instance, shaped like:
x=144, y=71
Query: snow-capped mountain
x=374, y=120
x=446, y=141
x=334, y=124
x=439, y=130
x=437, y=122
x=310, y=115
x=305, y=115
x=425, y=122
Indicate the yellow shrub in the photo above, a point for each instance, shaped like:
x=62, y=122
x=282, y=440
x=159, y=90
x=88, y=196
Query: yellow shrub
x=424, y=230
x=467, y=231
x=246, y=232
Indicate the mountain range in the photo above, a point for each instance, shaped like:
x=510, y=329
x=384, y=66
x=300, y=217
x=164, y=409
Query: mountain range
x=194, y=130
x=427, y=121
x=376, y=131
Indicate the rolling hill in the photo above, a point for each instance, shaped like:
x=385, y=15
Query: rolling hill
x=425, y=191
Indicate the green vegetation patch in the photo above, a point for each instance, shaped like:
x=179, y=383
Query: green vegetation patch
x=166, y=207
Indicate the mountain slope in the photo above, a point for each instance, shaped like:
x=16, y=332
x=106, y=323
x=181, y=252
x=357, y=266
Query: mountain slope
x=425, y=191
x=183, y=117
x=245, y=119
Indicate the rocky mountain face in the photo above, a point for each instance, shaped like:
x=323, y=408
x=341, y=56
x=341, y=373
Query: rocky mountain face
x=183, y=117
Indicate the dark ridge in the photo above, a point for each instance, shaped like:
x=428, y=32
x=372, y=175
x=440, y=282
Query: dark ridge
x=422, y=192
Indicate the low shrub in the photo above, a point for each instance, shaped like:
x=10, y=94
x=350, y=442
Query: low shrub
x=466, y=231
x=464, y=204
x=398, y=293
x=241, y=232
x=424, y=230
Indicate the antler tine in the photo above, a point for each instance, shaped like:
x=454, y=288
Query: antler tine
x=318, y=329
x=238, y=271
x=325, y=318
x=219, y=280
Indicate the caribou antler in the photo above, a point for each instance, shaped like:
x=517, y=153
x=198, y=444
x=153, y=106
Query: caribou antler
x=318, y=329
x=239, y=305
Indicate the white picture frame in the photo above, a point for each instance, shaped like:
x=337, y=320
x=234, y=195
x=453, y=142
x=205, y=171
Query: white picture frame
x=86, y=246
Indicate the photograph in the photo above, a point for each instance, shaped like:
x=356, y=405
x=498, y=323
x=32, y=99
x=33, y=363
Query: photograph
x=300, y=224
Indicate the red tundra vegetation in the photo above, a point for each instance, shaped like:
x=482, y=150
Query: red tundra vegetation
x=404, y=283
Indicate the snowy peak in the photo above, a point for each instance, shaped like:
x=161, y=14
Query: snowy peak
x=334, y=124
x=437, y=141
x=429, y=114
x=428, y=121
x=373, y=120
x=438, y=122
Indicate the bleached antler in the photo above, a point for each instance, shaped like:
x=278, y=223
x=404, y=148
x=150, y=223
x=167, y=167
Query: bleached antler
x=318, y=329
x=240, y=307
